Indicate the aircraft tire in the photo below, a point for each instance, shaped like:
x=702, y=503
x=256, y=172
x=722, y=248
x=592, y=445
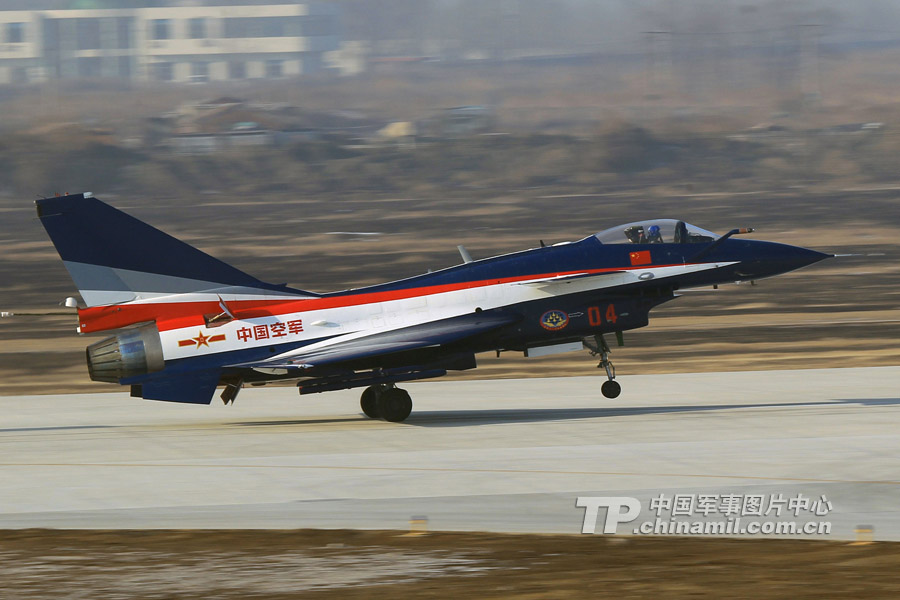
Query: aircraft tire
x=394, y=405
x=611, y=389
x=368, y=402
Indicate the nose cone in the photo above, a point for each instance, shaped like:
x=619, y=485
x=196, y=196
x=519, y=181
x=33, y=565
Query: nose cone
x=795, y=257
x=765, y=259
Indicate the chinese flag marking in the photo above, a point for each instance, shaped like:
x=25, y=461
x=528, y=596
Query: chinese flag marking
x=640, y=258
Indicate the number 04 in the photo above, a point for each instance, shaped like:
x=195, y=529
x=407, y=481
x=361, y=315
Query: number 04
x=594, y=315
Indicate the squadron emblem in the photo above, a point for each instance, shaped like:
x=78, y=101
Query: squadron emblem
x=554, y=320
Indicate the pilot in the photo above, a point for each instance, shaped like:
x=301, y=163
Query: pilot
x=635, y=234
x=653, y=235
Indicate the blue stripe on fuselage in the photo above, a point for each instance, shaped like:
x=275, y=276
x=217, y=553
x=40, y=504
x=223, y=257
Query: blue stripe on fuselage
x=585, y=255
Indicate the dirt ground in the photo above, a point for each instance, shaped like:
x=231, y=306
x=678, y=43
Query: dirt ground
x=364, y=564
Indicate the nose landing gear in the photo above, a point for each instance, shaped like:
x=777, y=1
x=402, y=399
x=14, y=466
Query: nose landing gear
x=599, y=347
x=611, y=389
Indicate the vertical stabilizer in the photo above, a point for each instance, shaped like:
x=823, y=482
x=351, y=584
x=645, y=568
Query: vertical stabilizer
x=114, y=257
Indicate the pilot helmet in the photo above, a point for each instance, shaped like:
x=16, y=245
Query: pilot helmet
x=653, y=230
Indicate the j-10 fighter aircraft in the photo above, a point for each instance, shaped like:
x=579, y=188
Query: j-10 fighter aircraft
x=188, y=323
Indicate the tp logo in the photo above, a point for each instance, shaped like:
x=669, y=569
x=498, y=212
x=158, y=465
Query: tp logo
x=614, y=513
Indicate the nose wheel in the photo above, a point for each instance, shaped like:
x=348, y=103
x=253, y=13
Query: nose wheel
x=599, y=347
x=611, y=389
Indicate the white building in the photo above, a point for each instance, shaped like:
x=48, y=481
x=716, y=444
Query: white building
x=181, y=44
x=20, y=48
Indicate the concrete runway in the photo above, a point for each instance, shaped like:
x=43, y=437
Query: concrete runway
x=502, y=455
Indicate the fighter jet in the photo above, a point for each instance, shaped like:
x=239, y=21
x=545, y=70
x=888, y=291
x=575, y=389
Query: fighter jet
x=186, y=323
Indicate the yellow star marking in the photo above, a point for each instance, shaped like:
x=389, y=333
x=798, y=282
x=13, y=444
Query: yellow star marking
x=202, y=340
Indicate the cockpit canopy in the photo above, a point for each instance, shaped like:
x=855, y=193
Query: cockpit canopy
x=656, y=231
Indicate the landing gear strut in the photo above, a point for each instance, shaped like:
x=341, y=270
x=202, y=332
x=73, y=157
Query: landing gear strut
x=385, y=401
x=610, y=388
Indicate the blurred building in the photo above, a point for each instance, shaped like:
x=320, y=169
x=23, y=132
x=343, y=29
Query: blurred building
x=176, y=43
x=459, y=121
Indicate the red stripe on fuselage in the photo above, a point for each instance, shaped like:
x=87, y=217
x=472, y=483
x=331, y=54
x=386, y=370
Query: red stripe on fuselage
x=176, y=315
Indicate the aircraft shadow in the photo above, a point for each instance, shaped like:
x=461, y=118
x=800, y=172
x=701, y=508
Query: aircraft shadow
x=872, y=402
x=57, y=428
x=466, y=418
x=490, y=417
x=309, y=421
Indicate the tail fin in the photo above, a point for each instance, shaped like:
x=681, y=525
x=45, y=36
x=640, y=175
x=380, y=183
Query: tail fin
x=114, y=258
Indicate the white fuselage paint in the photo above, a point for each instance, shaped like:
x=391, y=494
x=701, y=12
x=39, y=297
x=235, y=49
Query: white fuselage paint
x=346, y=323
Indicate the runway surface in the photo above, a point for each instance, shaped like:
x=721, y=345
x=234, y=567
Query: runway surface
x=502, y=455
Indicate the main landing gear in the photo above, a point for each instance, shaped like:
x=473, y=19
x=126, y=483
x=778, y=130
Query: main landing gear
x=386, y=401
x=598, y=346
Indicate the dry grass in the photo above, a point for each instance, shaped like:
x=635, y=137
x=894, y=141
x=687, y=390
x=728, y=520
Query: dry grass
x=367, y=564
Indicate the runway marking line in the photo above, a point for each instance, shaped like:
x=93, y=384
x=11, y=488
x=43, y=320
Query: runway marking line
x=454, y=470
